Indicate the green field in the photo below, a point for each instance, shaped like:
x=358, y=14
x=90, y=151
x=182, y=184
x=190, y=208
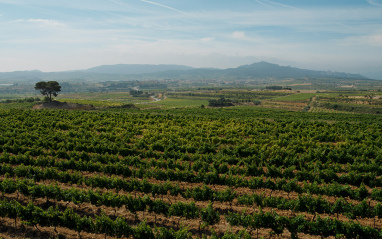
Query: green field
x=296, y=97
x=179, y=103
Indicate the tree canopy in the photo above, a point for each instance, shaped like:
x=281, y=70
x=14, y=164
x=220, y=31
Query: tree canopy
x=220, y=102
x=48, y=88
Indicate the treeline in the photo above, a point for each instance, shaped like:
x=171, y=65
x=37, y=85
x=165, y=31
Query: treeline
x=276, y=87
x=222, y=102
x=365, y=109
x=139, y=93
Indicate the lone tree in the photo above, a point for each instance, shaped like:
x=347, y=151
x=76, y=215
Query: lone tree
x=48, y=88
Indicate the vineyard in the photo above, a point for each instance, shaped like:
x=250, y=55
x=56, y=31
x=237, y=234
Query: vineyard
x=190, y=173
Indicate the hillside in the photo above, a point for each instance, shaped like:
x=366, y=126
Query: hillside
x=140, y=71
x=265, y=69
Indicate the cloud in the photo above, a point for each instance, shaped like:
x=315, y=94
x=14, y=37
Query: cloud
x=373, y=40
x=239, y=35
x=207, y=39
x=242, y=36
x=261, y=3
x=171, y=8
x=46, y=22
x=266, y=2
x=375, y=2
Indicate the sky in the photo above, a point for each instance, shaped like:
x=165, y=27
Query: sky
x=336, y=35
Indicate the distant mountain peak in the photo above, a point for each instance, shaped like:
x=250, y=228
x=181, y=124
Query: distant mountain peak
x=259, y=64
x=264, y=63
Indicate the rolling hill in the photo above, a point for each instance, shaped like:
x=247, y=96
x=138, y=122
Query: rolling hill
x=141, y=71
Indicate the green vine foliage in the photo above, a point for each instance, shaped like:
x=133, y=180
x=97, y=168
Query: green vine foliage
x=200, y=155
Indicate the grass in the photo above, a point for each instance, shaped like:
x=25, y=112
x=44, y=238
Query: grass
x=296, y=97
x=96, y=103
x=179, y=103
x=112, y=96
x=103, y=99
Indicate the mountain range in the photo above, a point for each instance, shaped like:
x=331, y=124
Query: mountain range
x=140, y=71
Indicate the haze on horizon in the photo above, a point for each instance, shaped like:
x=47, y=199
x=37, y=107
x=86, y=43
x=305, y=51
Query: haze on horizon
x=337, y=35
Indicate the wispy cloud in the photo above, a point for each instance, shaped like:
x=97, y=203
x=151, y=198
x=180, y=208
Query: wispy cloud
x=269, y=2
x=46, y=22
x=258, y=1
x=207, y=39
x=375, y=2
x=168, y=7
x=239, y=35
x=373, y=39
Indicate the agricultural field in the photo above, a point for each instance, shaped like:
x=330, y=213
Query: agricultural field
x=109, y=99
x=358, y=102
x=296, y=97
x=174, y=103
x=235, y=172
x=346, y=101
